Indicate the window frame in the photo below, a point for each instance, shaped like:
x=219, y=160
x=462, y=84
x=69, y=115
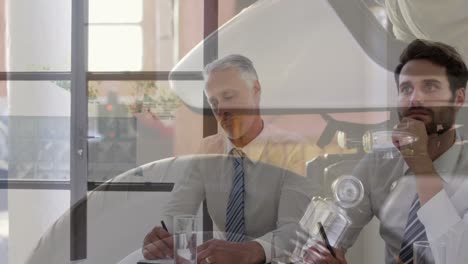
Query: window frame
x=79, y=184
x=79, y=76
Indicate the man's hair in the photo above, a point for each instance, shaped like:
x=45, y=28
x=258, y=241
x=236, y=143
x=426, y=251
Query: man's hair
x=243, y=64
x=437, y=53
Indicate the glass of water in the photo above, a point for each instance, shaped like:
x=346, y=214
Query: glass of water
x=185, y=239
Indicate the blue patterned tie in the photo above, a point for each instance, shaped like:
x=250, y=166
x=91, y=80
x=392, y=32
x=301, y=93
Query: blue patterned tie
x=414, y=231
x=235, y=221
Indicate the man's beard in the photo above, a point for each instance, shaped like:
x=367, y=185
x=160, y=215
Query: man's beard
x=440, y=123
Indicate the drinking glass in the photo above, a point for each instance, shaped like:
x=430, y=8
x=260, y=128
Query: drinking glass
x=185, y=239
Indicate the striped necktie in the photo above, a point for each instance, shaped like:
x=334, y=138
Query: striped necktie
x=414, y=231
x=235, y=220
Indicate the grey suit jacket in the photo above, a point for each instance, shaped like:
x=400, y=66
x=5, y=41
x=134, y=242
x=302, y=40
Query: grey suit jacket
x=275, y=198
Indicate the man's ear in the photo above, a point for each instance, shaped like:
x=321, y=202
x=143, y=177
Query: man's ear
x=257, y=88
x=459, y=97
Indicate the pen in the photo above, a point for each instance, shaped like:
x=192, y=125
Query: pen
x=164, y=226
x=325, y=239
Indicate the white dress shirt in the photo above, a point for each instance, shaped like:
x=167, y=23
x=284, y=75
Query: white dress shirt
x=272, y=146
x=389, y=194
x=275, y=198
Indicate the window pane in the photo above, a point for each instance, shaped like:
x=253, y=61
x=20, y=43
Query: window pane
x=29, y=214
x=154, y=38
x=39, y=130
x=39, y=35
x=123, y=11
x=135, y=122
x=115, y=48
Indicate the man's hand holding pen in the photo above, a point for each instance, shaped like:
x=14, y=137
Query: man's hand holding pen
x=158, y=244
x=323, y=252
x=319, y=254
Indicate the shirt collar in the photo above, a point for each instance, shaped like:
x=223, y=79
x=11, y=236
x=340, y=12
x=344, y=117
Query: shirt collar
x=255, y=148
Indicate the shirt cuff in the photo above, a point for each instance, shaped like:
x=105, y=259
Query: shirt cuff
x=438, y=215
x=265, y=242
